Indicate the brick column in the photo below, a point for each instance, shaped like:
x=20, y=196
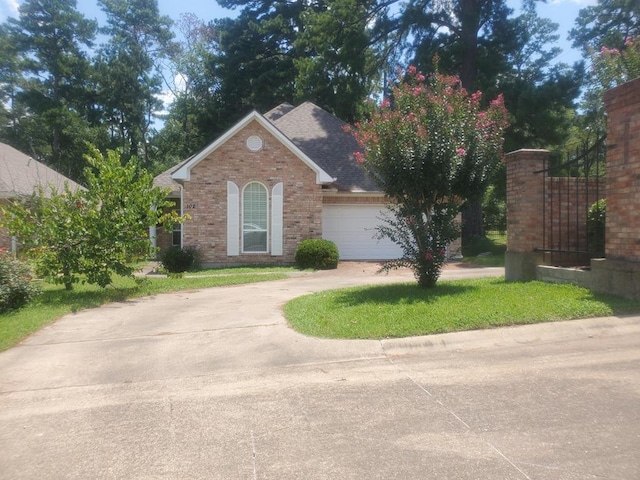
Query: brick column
x=524, y=212
x=622, y=105
x=619, y=272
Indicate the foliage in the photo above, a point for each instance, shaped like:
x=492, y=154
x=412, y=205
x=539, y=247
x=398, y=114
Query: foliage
x=178, y=260
x=49, y=77
x=608, y=34
x=494, y=208
x=17, y=287
x=335, y=66
x=596, y=223
x=317, y=253
x=128, y=67
x=94, y=232
x=613, y=66
x=607, y=24
x=430, y=149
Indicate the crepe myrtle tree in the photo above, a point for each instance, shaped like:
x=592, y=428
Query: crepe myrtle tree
x=430, y=148
x=90, y=234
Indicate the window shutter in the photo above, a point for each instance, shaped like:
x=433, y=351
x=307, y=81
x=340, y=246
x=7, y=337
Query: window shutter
x=277, y=222
x=233, y=219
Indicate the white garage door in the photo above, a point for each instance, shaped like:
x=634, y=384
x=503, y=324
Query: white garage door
x=352, y=228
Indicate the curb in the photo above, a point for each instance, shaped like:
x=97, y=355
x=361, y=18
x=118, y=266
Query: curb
x=549, y=332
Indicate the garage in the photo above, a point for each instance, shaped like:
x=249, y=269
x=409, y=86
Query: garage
x=352, y=228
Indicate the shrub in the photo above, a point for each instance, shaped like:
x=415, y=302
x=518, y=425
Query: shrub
x=596, y=221
x=317, y=253
x=16, y=285
x=179, y=260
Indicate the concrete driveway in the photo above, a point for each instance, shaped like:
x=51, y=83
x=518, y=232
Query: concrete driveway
x=212, y=384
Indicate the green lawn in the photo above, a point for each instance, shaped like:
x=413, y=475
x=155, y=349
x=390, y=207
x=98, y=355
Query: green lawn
x=56, y=302
x=401, y=310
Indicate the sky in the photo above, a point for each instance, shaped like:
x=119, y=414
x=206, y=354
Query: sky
x=563, y=12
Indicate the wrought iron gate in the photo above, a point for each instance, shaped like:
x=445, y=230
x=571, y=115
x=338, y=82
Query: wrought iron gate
x=570, y=189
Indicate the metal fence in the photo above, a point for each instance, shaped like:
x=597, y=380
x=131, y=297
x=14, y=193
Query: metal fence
x=572, y=188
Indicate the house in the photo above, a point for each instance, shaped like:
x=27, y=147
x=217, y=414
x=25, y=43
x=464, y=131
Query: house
x=20, y=176
x=272, y=181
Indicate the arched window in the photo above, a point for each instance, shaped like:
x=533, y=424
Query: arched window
x=255, y=219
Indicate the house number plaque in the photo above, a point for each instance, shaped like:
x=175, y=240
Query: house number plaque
x=190, y=206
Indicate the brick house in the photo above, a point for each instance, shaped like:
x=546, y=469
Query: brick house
x=272, y=181
x=20, y=176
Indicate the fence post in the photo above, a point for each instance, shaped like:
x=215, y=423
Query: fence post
x=525, y=209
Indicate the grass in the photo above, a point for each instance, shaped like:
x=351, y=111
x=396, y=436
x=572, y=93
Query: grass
x=55, y=301
x=402, y=310
x=487, y=251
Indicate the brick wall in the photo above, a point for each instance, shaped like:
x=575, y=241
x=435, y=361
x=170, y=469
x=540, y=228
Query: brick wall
x=524, y=200
x=205, y=196
x=622, y=105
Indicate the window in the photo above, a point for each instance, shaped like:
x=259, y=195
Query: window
x=176, y=235
x=254, y=218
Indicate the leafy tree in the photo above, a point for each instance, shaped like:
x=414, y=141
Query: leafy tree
x=336, y=63
x=430, y=149
x=128, y=71
x=289, y=51
x=49, y=40
x=193, y=119
x=607, y=33
x=607, y=24
x=91, y=232
x=255, y=65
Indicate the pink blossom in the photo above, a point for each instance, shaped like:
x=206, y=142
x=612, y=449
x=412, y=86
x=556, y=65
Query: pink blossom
x=609, y=51
x=359, y=156
x=420, y=78
x=428, y=256
x=461, y=152
x=412, y=70
x=498, y=101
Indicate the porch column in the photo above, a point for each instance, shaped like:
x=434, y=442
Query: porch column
x=524, y=212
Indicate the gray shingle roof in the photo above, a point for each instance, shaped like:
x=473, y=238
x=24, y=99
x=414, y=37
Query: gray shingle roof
x=321, y=136
x=20, y=175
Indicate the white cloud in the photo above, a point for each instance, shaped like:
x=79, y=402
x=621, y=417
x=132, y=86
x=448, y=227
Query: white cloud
x=8, y=8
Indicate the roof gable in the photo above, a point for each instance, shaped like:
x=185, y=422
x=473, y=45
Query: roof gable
x=21, y=175
x=183, y=173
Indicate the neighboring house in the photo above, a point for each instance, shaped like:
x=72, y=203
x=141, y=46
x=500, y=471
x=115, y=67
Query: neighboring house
x=272, y=181
x=20, y=176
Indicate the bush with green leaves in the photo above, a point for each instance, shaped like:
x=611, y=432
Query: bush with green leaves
x=596, y=222
x=179, y=260
x=317, y=253
x=90, y=234
x=17, y=287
